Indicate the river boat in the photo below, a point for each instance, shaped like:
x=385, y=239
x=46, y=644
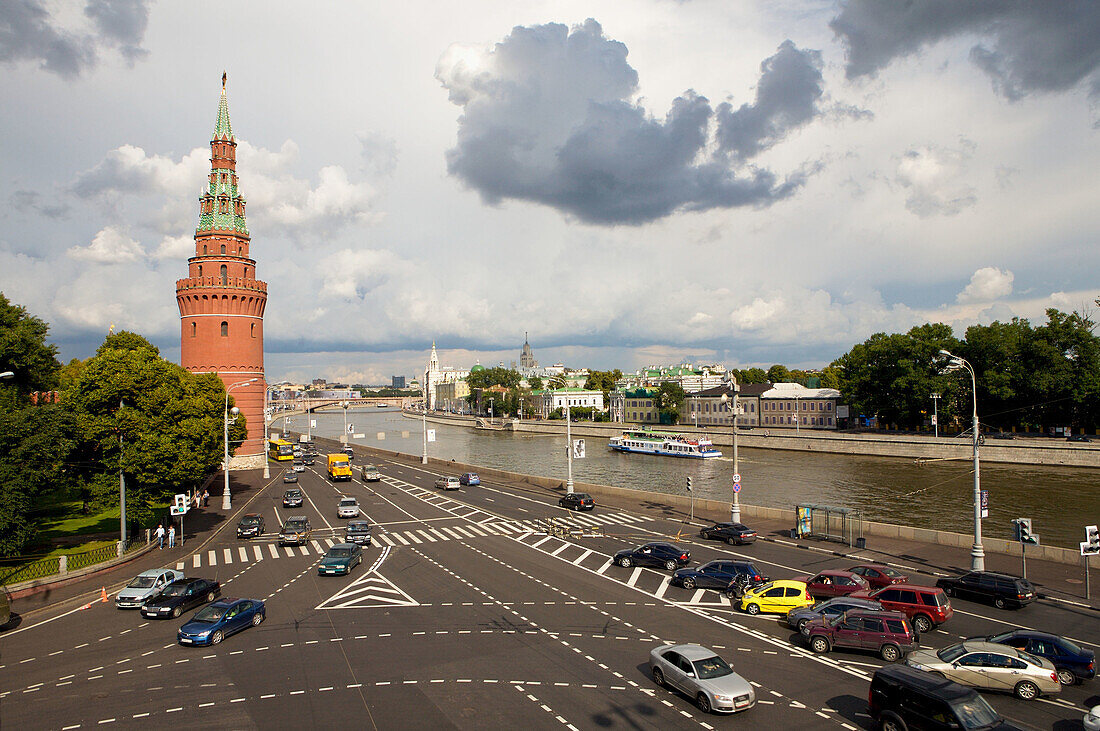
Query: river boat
x=664, y=443
x=381, y=406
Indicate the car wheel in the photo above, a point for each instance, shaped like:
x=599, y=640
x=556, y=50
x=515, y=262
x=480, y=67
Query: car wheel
x=890, y=722
x=889, y=653
x=625, y=562
x=804, y=627
x=1025, y=690
x=1066, y=676
x=217, y=638
x=670, y=565
x=703, y=702
x=922, y=623
x=731, y=541
x=703, y=534
x=658, y=677
x=576, y=507
x=176, y=612
x=209, y=597
x=1000, y=603
x=753, y=609
x=689, y=583
x=949, y=591
x=819, y=644
x=256, y=619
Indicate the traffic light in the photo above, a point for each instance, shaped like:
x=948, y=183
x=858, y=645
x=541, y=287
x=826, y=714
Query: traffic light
x=1092, y=537
x=689, y=484
x=1023, y=531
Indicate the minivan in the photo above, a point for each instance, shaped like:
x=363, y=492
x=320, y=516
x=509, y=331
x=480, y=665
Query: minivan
x=926, y=606
x=887, y=633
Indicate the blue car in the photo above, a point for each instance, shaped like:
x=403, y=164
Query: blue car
x=1072, y=662
x=214, y=622
x=470, y=478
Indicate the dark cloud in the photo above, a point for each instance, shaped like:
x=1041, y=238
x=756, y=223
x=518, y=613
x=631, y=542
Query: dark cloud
x=28, y=200
x=1026, y=46
x=29, y=33
x=548, y=117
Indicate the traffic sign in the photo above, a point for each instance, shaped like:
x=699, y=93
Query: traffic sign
x=578, y=449
x=737, y=487
x=736, y=477
x=985, y=503
x=431, y=435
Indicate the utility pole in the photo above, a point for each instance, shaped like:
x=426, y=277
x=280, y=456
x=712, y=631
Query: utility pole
x=121, y=482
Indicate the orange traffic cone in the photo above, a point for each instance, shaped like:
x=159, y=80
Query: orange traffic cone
x=103, y=594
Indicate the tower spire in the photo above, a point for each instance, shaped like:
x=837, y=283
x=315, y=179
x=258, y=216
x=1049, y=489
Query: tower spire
x=223, y=130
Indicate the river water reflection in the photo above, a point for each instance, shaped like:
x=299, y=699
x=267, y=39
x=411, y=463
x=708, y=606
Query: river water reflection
x=1060, y=500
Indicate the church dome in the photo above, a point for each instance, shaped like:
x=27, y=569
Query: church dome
x=477, y=368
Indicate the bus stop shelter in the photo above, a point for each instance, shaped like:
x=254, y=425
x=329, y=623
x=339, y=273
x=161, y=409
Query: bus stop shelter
x=829, y=523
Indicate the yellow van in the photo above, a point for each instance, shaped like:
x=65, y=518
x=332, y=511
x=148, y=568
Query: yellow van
x=339, y=467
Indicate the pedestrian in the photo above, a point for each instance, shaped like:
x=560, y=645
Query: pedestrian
x=205, y=497
x=198, y=499
x=159, y=533
x=172, y=536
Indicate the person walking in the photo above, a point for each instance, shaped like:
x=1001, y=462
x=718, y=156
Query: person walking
x=159, y=533
x=172, y=536
x=205, y=497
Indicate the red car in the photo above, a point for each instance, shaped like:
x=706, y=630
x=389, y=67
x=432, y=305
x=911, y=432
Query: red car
x=926, y=606
x=828, y=584
x=878, y=575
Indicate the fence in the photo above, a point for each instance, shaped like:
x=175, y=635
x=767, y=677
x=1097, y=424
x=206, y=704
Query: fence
x=60, y=565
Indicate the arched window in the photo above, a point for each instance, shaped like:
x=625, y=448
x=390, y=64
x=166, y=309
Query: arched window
x=204, y=248
x=253, y=329
x=200, y=270
x=225, y=329
x=224, y=274
x=223, y=248
x=193, y=329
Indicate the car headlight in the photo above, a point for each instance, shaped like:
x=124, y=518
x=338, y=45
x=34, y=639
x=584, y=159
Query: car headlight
x=723, y=698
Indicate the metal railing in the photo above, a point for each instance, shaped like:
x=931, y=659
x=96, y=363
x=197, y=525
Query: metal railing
x=63, y=564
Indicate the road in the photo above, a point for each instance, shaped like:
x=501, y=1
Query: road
x=464, y=615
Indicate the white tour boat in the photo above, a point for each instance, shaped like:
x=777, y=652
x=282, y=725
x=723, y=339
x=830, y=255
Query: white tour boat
x=664, y=443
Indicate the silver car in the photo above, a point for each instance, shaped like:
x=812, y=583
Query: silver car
x=990, y=666
x=800, y=617
x=702, y=676
x=348, y=507
x=447, y=483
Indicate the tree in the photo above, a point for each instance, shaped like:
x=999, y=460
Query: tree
x=603, y=381
x=779, y=374
x=24, y=352
x=668, y=399
x=535, y=383
x=495, y=376
x=753, y=375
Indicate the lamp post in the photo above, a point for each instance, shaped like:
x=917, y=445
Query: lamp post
x=568, y=446
x=424, y=427
x=227, y=500
x=935, y=413
x=734, y=407
x=267, y=418
x=977, y=554
x=797, y=417
x=344, y=405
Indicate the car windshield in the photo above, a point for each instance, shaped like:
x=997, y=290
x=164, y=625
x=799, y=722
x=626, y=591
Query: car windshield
x=294, y=525
x=1029, y=658
x=763, y=587
x=141, y=582
x=370, y=468
x=976, y=713
x=174, y=590
x=353, y=527
x=250, y=521
x=892, y=573
x=711, y=667
x=348, y=502
x=339, y=552
x=292, y=493
x=951, y=653
x=209, y=614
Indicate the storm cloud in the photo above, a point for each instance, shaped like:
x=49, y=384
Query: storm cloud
x=549, y=116
x=1026, y=46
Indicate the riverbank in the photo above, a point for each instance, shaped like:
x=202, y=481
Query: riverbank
x=1023, y=451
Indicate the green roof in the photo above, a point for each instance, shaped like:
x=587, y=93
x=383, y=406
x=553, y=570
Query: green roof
x=222, y=128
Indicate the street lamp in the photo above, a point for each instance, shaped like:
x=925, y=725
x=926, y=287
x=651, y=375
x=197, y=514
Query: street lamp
x=424, y=424
x=734, y=407
x=227, y=501
x=977, y=554
x=344, y=405
x=935, y=412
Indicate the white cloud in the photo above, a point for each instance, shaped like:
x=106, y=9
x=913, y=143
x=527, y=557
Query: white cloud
x=175, y=248
x=110, y=246
x=935, y=180
x=987, y=284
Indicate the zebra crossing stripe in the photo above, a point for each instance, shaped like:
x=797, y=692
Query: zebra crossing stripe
x=242, y=553
x=317, y=546
x=289, y=551
x=453, y=532
x=399, y=538
x=587, y=552
x=442, y=536
x=179, y=566
x=304, y=549
x=475, y=530
x=213, y=558
x=227, y=555
x=384, y=540
x=259, y=554
x=274, y=551
x=413, y=537
x=330, y=542
x=560, y=548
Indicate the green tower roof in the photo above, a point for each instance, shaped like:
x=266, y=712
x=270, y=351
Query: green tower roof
x=222, y=128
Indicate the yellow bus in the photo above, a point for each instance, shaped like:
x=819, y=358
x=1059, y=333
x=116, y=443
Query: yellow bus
x=339, y=467
x=280, y=450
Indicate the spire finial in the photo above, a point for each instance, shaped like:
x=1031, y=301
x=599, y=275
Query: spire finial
x=224, y=76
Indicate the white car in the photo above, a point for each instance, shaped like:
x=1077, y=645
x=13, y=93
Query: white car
x=145, y=585
x=1092, y=719
x=447, y=483
x=370, y=473
x=348, y=508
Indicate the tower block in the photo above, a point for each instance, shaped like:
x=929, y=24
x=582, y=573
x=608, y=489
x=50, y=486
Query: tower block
x=221, y=302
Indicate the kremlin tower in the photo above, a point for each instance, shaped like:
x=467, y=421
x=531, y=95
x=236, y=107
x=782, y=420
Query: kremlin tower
x=221, y=302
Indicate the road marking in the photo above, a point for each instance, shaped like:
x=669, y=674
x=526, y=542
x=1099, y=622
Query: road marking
x=228, y=556
x=196, y=560
x=634, y=576
x=242, y=553
x=587, y=552
x=289, y=551
x=211, y=557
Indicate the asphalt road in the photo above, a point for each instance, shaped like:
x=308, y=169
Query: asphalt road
x=463, y=615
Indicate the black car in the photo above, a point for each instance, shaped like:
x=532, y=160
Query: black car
x=731, y=533
x=292, y=499
x=251, y=525
x=308, y=459
x=715, y=575
x=349, y=452
x=664, y=555
x=902, y=697
x=1078, y=438
x=180, y=596
x=358, y=532
x=1073, y=663
x=577, y=501
x=1001, y=590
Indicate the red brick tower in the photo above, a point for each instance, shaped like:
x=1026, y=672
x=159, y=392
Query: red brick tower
x=221, y=302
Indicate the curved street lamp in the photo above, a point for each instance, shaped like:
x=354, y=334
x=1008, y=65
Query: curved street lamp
x=227, y=500
x=735, y=409
x=977, y=553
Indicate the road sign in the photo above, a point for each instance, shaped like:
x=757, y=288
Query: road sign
x=985, y=503
x=578, y=449
x=736, y=477
x=312, y=423
x=737, y=487
x=431, y=435
x=358, y=436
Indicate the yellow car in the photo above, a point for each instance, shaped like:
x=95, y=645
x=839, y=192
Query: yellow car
x=776, y=597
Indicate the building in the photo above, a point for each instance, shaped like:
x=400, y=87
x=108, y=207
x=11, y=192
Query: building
x=397, y=382
x=705, y=408
x=562, y=398
x=435, y=374
x=793, y=406
x=451, y=396
x=690, y=378
x=221, y=302
x=319, y=383
x=527, y=356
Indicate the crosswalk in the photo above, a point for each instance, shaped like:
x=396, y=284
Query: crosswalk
x=262, y=551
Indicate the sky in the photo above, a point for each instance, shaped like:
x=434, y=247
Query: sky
x=629, y=183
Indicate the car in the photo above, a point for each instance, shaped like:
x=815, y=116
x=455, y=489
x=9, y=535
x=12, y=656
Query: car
x=830, y=583
x=349, y=452
x=990, y=666
x=299, y=466
x=340, y=559
x=888, y=634
x=469, y=478
x=180, y=596
x=1091, y=720
x=144, y=585
x=577, y=501
x=878, y=575
x=370, y=473
x=447, y=483
x=219, y=620
x=309, y=459
x=1072, y=662
x=926, y=606
x=657, y=553
x=701, y=675
x=296, y=530
x=1078, y=438
x=290, y=478
x=357, y=531
x=776, y=597
x=800, y=618
x=292, y=498
x=348, y=507
x=714, y=574
x=902, y=698
x=735, y=534
x=1003, y=591
x=251, y=525
x=296, y=453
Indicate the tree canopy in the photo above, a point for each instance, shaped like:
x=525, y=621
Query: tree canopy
x=24, y=352
x=668, y=398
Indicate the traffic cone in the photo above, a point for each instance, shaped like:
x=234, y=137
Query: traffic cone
x=103, y=594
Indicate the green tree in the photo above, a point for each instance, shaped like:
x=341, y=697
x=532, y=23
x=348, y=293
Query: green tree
x=753, y=375
x=24, y=352
x=779, y=374
x=668, y=399
x=535, y=383
x=603, y=381
x=830, y=377
x=495, y=376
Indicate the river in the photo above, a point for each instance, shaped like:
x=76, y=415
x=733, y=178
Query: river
x=1059, y=500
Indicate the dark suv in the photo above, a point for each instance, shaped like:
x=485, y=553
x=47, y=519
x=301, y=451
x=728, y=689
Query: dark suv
x=926, y=606
x=903, y=698
x=715, y=575
x=250, y=526
x=887, y=633
x=1001, y=590
x=664, y=555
